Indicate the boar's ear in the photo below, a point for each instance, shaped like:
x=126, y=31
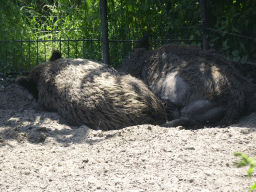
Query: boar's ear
x=56, y=54
x=22, y=81
x=144, y=42
x=28, y=84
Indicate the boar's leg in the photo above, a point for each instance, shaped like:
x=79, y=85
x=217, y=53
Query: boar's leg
x=201, y=112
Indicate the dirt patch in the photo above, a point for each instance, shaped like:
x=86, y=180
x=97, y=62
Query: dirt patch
x=41, y=152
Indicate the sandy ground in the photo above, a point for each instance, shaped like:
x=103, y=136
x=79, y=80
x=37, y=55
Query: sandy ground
x=39, y=151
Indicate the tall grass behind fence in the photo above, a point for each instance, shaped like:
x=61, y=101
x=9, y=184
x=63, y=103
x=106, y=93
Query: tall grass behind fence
x=33, y=28
x=28, y=51
x=31, y=50
x=123, y=41
x=39, y=24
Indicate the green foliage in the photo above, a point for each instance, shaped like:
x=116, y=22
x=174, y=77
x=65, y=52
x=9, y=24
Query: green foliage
x=50, y=20
x=246, y=160
x=80, y=19
x=10, y=17
x=35, y=20
x=130, y=19
x=236, y=17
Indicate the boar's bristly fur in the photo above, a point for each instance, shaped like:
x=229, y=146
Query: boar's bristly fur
x=200, y=88
x=93, y=94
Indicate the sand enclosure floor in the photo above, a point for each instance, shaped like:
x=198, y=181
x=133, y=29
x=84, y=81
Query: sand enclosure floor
x=39, y=151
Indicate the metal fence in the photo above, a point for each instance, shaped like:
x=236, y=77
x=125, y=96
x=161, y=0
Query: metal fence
x=24, y=54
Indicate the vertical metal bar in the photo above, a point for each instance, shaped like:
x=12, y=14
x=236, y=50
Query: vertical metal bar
x=76, y=47
x=6, y=52
x=14, y=52
x=29, y=54
x=162, y=35
x=203, y=23
x=44, y=51
x=99, y=53
x=104, y=29
x=52, y=43
x=68, y=46
x=37, y=51
x=91, y=49
x=60, y=44
x=21, y=52
x=83, y=49
x=14, y=58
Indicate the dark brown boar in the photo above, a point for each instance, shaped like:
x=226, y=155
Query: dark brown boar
x=200, y=88
x=93, y=94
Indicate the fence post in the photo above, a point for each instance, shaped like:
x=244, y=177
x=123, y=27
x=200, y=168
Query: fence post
x=104, y=28
x=203, y=24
